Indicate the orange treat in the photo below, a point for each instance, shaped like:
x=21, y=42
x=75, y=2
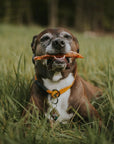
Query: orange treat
x=70, y=54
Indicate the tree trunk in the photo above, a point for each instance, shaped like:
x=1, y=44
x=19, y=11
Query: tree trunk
x=52, y=10
x=7, y=12
x=79, y=18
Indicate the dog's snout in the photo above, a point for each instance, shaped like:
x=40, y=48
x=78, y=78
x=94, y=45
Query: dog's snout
x=58, y=43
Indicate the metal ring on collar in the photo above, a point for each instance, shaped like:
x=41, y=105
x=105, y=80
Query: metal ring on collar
x=55, y=93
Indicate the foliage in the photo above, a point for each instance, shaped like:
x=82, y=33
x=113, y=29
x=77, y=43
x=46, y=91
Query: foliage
x=79, y=14
x=16, y=71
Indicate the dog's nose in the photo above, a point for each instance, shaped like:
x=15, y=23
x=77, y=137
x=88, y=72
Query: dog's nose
x=58, y=43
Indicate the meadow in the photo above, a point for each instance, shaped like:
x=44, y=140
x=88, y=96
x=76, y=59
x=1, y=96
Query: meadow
x=16, y=72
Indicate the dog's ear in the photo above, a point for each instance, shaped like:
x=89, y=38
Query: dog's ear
x=77, y=44
x=33, y=44
x=77, y=50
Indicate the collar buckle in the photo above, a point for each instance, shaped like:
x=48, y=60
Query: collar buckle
x=55, y=93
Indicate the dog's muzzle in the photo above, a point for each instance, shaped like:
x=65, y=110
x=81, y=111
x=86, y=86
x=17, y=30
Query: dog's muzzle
x=58, y=64
x=58, y=44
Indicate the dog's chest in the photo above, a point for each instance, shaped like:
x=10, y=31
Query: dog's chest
x=58, y=107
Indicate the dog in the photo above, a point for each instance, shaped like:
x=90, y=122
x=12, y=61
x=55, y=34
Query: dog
x=57, y=90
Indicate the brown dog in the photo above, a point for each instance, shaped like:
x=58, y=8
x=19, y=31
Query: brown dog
x=57, y=89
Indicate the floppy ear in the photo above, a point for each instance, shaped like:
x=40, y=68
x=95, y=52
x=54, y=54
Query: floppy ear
x=78, y=50
x=77, y=44
x=33, y=44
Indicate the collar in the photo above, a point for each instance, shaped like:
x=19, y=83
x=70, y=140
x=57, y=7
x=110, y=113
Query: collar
x=54, y=93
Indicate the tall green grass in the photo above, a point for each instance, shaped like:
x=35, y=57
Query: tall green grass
x=16, y=71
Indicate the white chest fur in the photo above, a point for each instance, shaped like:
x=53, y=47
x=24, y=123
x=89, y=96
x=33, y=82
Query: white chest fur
x=62, y=104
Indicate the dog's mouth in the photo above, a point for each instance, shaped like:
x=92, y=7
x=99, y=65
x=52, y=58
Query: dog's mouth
x=58, y=63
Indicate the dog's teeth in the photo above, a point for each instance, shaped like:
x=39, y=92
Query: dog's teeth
x=63, y=56
x=70, y=60
x=59, y=57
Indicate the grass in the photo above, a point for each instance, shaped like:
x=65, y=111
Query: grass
x=16, y=71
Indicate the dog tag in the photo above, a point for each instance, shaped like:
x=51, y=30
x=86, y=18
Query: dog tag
x=54, y=114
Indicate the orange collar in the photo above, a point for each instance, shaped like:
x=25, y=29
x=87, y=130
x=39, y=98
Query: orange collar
x=54, y=93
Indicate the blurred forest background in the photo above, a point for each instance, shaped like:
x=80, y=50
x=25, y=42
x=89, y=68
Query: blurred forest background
x=81, y=15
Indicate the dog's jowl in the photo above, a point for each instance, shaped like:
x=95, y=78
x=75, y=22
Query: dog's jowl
x=58, y=91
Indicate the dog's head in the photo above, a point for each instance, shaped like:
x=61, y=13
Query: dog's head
x=54, y=42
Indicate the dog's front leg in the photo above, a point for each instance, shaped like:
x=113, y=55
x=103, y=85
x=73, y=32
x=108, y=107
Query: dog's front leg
x=88, y=111
x=79, y=101
x=37, y=104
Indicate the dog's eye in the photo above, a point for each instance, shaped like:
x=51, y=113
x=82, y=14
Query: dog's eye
x=67, y=36
x=44, y=38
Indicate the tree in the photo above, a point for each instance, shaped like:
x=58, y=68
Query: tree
x=52, y=12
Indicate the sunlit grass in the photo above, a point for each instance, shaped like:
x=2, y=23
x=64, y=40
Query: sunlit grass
x=16, y=72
